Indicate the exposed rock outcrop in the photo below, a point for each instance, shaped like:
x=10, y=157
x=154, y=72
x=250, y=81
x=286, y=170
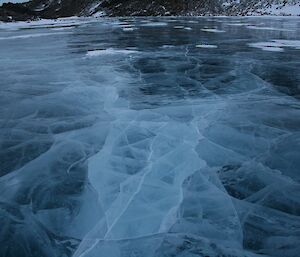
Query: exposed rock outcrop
x=63, y=8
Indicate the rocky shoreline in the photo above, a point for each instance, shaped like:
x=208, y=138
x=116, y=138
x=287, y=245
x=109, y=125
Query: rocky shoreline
x=45, y=9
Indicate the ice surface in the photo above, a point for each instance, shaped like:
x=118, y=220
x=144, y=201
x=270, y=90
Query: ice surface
x=117, y=144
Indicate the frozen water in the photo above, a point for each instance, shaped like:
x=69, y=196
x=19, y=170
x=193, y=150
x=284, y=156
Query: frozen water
x=158, y=142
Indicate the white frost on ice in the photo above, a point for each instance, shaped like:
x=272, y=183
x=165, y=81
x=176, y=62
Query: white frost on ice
x=276, y=45
x=288, y=43
x=167, y=46
x=206, y=46
x=33, y=35
x=213, y=30
x=267, y=46
x=109, y=51
x=61, y=28
x=238, y=24
x=155, y=24
x=268, y=28
x=128, y=29
x=178, y=27
x=182, y=27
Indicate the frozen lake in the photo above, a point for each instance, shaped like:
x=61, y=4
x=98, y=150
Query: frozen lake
x=150, y=137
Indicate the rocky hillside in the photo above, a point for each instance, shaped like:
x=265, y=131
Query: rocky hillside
x=63, y=8
x=261, y=7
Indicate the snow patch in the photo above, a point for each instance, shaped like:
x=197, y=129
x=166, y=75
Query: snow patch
x=279, y=9
x=99, y=14
x=44, y=23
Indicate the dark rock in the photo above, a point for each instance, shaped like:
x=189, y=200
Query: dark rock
x=13, y=12
x=160, y=7
x=64, y=8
